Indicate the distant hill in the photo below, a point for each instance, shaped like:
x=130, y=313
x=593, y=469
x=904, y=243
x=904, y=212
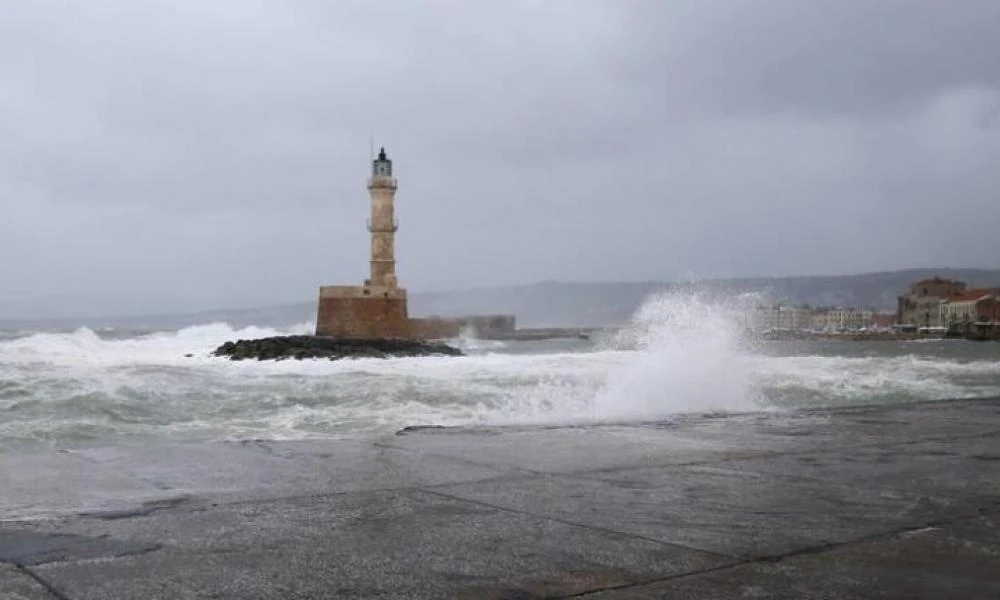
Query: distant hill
x=572, y=304
x=876, y=290
x=577, y=304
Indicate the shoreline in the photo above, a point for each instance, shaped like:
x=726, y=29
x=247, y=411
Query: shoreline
x=870, y=337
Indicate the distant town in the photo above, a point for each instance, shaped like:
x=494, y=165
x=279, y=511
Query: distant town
x=932, y=307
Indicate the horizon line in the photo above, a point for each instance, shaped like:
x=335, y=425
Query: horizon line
x=196, y=312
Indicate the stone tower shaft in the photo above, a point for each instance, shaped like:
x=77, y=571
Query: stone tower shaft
x=382, y=224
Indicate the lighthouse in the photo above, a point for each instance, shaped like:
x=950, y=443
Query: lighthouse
x=382, y=225
x=377, y=309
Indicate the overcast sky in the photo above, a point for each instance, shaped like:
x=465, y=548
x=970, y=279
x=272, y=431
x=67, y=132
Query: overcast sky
x=189, y=154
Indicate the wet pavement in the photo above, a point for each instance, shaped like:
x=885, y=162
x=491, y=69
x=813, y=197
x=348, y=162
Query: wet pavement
x=891, y=502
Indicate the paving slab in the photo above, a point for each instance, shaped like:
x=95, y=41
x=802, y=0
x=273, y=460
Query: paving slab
x=27, y=547
x=917, y=421
x=40, y=485
x=850, y=427
x=15, y=584
x=731, y=512
x=687, y=439
x=572, y=449
x=980, y=447
x=960, y=560
x=408, y=544
x=261, y=470
x=960, y=473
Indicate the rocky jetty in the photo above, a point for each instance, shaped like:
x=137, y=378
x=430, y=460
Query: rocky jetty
x=308, y=346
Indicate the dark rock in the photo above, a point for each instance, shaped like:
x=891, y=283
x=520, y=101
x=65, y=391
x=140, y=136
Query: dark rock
x=301, y=347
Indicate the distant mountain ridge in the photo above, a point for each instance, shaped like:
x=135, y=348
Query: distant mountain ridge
x=595, y=304
x=556, y=304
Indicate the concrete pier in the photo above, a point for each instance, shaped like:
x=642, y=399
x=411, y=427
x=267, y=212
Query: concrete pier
x=892, y=502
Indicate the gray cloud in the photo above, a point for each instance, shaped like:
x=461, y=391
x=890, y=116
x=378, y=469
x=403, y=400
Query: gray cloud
x=182, y=155
x=854, y=57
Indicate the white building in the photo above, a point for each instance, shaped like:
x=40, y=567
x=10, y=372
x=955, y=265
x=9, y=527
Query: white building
x=968, y=307
x=780, y=317
x=843, y=319
x=797, y=318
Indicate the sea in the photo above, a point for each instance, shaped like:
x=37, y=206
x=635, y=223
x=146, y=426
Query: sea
x=678, y=355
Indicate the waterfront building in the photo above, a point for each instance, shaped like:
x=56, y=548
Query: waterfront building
x=973, y=306
x=921, y=307
x=882, y=320
x=846, y=319
x=780, y=317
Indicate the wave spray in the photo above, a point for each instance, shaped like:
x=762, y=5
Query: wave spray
x=688, y=355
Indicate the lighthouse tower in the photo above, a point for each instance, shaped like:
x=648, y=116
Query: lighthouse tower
x=383, y=225
x=377, y=309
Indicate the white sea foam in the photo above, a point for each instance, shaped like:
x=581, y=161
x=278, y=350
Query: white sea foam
x=838, y=380
x=679, y=354
x=689, y=357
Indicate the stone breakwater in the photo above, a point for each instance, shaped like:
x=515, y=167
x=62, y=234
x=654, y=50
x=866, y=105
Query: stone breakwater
x=307, y=346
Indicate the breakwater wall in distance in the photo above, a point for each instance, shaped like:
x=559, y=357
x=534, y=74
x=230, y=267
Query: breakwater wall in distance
x=542, y=333
x=990, y=334
x=554, y=333
x=889, y=336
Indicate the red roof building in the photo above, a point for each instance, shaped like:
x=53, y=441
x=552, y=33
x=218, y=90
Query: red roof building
x=978, y=305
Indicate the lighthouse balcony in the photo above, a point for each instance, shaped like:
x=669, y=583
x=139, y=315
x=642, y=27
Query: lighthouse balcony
x=383, y=227
x=381, y=181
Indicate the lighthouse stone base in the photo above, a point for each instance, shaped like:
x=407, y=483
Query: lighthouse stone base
x=363, y=312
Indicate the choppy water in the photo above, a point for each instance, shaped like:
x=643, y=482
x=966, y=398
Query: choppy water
x=680, y=355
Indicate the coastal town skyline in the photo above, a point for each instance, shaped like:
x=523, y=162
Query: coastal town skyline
x=571, y=304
